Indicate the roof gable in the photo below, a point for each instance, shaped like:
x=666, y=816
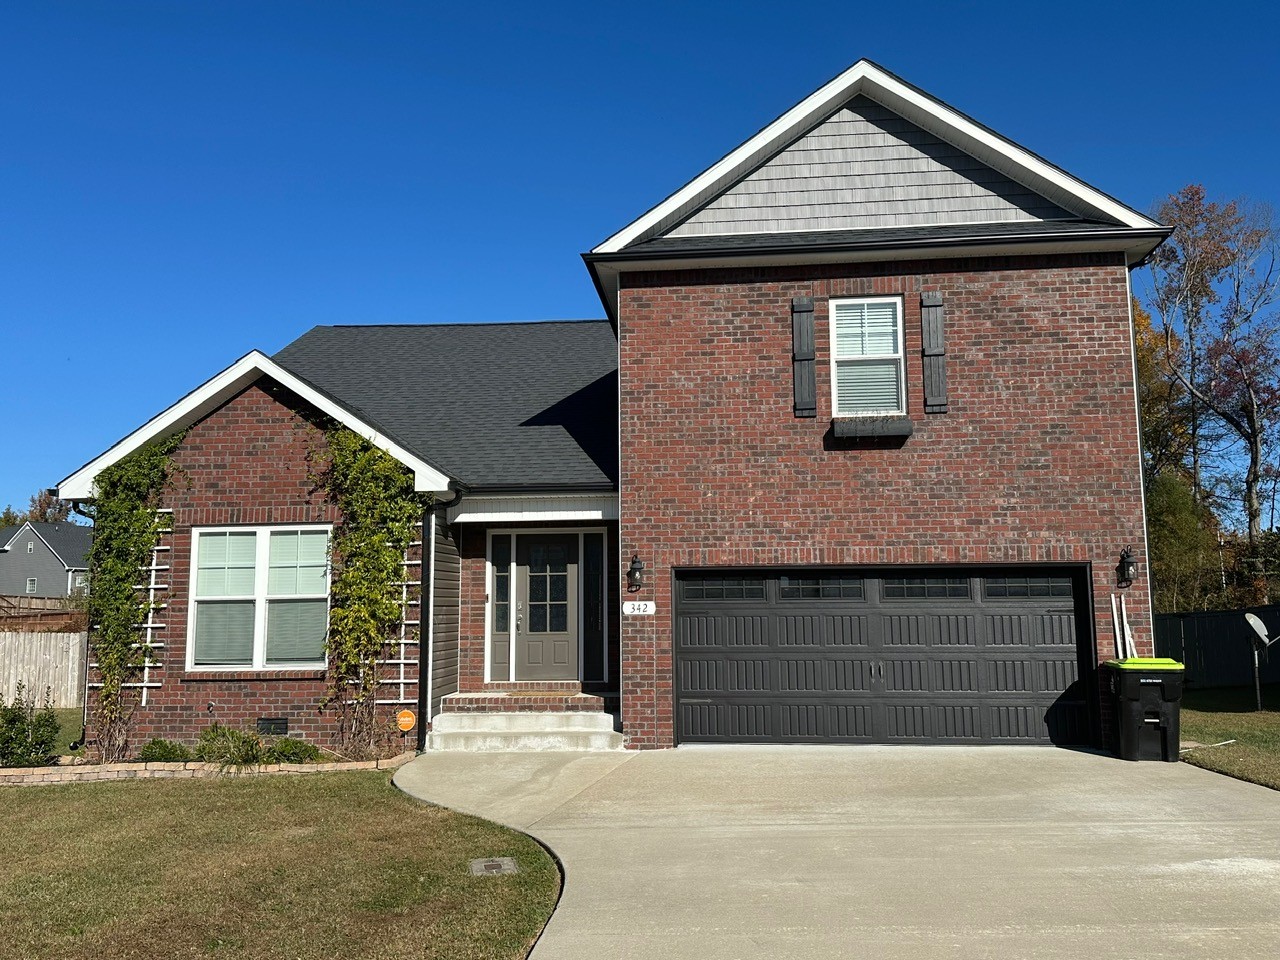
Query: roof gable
x=216, y=391
x=68, y=542
x=866, y=80
x=865, y=167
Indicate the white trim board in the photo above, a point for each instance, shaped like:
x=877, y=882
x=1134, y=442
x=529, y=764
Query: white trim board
x=516, y=508
x=218, y=390
x=867, y=79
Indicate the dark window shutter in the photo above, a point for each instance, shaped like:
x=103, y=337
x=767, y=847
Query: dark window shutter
x=803, y=361
x=935, y=353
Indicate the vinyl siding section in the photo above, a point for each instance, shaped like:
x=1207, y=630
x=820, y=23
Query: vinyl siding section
x=16, y=565
x=865, y=167
x=446, y=598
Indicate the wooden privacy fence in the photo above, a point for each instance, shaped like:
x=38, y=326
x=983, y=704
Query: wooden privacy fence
x=40, y=661
x=1216, y=646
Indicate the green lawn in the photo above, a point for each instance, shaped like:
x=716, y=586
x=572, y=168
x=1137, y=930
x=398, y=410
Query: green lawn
x=1211, y=716
x=70, y=726
x=315, y=866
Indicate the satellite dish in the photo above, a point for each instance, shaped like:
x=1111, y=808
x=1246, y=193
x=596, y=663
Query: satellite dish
x=1259, y=627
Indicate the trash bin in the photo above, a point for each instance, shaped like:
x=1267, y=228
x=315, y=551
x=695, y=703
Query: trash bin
x=1146, y=696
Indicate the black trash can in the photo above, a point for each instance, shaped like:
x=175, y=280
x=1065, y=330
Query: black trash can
x=1146, y=699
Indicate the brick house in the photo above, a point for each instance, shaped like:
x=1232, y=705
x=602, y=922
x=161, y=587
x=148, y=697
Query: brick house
x=870, y=378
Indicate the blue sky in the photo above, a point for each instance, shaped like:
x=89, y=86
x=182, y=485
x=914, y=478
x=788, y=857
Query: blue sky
x=183, y=182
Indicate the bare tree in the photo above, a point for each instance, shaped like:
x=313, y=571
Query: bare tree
x=1216, y=291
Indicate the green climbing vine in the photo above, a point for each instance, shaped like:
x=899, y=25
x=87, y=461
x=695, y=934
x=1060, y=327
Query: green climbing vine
x=379, y=511
x=126, y=529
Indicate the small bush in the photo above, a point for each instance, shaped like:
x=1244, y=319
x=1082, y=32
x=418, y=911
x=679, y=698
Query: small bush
x=292, y=750
x=164, y=751
x=230, y=747
x=27, y=731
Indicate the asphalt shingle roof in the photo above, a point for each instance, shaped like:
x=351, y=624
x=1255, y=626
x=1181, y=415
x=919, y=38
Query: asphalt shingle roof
x=497, y=406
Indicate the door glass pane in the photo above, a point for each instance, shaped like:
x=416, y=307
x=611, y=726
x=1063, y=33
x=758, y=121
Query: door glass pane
x=559, y=587
x=538, y=618
x=224, y=633
x=501, y=553
x=537, y=588
x=559, y=617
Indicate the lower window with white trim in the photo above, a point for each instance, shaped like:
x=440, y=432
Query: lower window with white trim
x=260, y=598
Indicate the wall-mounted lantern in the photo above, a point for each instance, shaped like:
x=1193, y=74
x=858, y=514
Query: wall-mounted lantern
x=1126, y=569
x=635, y=573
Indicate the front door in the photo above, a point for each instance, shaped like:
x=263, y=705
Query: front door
x=546, y=614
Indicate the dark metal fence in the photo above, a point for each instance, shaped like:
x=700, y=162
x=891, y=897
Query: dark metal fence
x=1216, y=647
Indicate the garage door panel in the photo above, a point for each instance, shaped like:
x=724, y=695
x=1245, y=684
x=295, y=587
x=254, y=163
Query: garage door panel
x=802, y=631
x=955, y=676
x=849, y=631
x=935, y=659
x=850, y=723
x=698, y=630
x=701, y=676
x=749, y=676
x=848, y=676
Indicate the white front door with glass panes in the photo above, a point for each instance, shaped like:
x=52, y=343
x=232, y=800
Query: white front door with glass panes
x=546, y=615
x=260, y=598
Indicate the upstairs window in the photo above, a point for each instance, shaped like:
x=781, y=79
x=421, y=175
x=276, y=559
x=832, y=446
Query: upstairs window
x=31, y=546
x=31, y=584
x=866, y=357
x=261, y=598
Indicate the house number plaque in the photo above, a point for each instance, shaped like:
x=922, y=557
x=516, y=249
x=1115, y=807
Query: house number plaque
x=639, y=608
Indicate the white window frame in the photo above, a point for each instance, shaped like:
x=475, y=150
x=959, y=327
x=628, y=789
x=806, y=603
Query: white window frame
x=31, y=546
x=900, y=357
x=261, y=572
x=31, y=585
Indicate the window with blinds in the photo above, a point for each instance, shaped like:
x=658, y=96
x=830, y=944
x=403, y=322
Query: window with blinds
x=866, y=357
x=260, y=598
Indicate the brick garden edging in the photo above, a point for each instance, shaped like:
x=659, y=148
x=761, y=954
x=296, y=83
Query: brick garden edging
x=37, y=776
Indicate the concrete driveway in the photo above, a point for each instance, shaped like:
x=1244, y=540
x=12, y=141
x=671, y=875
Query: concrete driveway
x=883, y=852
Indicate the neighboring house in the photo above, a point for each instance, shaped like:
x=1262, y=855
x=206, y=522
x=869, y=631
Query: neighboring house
x=44, y=559
x=859, y=439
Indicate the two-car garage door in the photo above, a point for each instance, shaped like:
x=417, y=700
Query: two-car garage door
x=933, y=656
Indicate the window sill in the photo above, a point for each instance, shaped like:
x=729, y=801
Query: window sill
x=206, y=675
x=895, y=427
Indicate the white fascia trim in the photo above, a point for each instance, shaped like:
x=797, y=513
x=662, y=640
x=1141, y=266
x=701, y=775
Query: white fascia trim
x=866, y=78
x=519, y=508
x=48, y=546
x=212, y=394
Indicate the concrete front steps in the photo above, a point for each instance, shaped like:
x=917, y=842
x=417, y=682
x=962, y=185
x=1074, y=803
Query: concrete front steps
x=524, y=731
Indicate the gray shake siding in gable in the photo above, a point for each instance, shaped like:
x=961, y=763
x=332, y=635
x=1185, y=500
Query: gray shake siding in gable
x=445, y=609
x=865, y=168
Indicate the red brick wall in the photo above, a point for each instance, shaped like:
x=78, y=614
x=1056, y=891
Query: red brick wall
x=245, y=463
x=1037, y=460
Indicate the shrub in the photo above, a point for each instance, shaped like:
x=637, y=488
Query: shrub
x=291, y=750
x=27, y=732
x=164, y=751
x=230, y=747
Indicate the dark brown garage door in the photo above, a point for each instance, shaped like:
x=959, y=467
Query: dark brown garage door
x=850, y=657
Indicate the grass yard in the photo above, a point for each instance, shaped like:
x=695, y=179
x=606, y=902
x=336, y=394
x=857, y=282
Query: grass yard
x=322, y=865
x=1211, y=716
x=70, y=726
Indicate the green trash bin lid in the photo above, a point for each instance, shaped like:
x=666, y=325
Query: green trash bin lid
x=1144, y=663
